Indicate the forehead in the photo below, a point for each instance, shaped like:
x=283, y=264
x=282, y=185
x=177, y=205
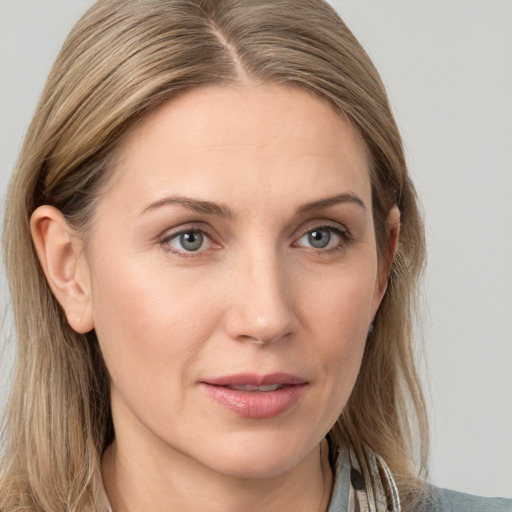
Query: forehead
x=238, y=139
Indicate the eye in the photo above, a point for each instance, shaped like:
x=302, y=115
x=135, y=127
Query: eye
x=191, y=240
x=323, y=237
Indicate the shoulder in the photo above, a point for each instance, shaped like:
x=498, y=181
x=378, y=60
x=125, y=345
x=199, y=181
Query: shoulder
x=445, y=500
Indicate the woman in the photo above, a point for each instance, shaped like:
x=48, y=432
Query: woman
x=213, y=248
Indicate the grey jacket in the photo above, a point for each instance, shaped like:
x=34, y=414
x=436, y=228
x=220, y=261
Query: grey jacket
x=453, y=501
x=439, y=500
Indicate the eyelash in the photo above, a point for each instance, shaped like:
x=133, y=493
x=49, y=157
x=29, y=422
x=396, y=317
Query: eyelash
x=165, y=241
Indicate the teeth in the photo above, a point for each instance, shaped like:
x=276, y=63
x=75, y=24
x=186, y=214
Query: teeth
x=252, y=387
x=270, y=387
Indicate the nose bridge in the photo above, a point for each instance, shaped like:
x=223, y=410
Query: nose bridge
x=261, y=310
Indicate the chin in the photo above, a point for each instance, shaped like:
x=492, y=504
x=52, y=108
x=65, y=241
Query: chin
x=257, y=456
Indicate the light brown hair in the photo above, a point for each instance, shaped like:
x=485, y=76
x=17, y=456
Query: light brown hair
x=122, y=60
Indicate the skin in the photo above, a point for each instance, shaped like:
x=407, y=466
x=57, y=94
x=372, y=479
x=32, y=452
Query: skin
x=256, y=297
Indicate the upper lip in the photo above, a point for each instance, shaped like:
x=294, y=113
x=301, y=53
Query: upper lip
x=241, y=379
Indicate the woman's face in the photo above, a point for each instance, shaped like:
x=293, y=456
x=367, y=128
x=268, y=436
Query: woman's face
x=233, y=274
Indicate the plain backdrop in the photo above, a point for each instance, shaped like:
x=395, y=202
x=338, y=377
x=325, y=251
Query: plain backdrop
x=447, y=65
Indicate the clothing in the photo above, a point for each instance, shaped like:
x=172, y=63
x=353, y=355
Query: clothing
x=436, y=500
x=453, y=501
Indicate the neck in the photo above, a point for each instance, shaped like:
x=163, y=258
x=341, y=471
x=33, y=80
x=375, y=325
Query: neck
x=140, y=480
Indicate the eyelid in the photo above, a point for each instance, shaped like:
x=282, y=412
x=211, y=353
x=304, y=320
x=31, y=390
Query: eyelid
x=325, y=224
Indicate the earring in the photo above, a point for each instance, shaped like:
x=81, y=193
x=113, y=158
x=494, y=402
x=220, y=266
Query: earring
x=370, y=330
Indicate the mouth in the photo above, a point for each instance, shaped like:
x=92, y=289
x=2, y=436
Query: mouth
x=254, y=396
x=252, y=387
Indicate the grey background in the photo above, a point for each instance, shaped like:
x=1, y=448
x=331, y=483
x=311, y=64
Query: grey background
x=448, y=69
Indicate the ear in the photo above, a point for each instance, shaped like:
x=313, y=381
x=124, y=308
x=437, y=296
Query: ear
x=60, y=254
x=392, y=234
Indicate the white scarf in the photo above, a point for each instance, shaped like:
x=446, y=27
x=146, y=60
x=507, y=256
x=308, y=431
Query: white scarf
x=382, y=497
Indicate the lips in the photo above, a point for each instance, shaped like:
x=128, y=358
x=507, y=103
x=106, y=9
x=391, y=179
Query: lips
x=256, y=396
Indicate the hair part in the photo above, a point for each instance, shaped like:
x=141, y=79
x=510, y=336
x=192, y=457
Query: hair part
x=122, y=60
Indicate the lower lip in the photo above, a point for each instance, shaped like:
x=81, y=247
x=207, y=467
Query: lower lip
x=256, y=404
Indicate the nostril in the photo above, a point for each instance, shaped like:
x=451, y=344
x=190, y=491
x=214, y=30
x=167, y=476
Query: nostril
x=252, y=339
x=262, y=340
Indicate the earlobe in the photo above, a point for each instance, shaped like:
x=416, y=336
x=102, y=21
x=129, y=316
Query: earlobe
x=64, y=266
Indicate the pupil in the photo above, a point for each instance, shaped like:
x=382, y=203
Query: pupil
x=191, y=241
x=319, y=238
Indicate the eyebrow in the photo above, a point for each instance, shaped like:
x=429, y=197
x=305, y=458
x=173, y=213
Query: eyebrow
x=221, y=210
x=195, y=205
x=347, y=197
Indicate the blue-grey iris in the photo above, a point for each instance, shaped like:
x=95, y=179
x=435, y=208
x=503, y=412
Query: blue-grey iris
x=191, y=241
x=319, y=238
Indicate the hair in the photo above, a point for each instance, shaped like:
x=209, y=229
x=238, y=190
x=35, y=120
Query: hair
x=121, y=61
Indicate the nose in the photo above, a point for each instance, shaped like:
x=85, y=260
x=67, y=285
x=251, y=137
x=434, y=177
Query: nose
x=260, y=307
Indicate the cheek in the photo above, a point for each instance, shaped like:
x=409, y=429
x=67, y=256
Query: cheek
x=342, y=303
x=338, y=320
x=147, y=325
